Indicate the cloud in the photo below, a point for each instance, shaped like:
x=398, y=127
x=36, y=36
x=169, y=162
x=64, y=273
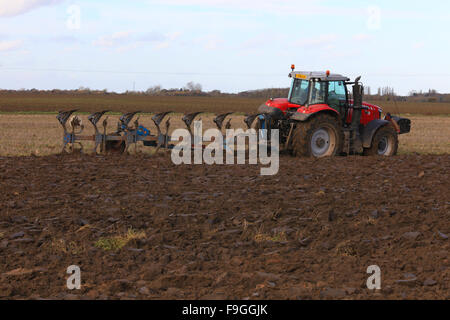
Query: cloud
x=10, y=45
x=152, y=37
x=418, y=45
x=210, y=42
x=283, y=7
x=116, y=39
x=64, y=39
x=263, y=39
x=172, y=36
x=324, y=40
x=362, y=37
x=10, y=8
x=161, y=41
x=125, y=40
x=162, y=45
x=237, y=4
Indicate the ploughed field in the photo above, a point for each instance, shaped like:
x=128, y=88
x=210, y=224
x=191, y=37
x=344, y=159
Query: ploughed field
x=140, y=227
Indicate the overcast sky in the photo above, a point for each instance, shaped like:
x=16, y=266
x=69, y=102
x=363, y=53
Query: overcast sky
x=230, y=45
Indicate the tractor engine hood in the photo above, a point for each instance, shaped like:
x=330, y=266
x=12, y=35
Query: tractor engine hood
x=279, y=103
x=282, y=104
x=277, y=108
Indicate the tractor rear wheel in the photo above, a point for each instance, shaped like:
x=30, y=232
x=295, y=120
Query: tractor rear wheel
x=318, y=137
x=384, y=143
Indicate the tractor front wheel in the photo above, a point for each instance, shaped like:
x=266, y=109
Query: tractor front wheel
x=318, y=137
x=384, y=143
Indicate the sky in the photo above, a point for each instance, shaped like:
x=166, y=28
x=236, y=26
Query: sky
x=229, y=45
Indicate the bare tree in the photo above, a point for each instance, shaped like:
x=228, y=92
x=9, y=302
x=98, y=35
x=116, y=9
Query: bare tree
x=154, y=90
x=192, y=86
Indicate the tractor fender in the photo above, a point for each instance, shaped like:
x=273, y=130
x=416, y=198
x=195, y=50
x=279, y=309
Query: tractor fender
x=370, y=129
x=299, y=116
x=274, y=113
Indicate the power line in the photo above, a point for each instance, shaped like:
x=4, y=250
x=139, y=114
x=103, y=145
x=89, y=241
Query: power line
x=140, y=72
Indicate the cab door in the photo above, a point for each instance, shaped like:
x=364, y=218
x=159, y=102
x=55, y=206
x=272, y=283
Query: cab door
x=337, y=96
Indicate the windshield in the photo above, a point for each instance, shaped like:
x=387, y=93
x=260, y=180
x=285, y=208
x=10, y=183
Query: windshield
x=299, y=92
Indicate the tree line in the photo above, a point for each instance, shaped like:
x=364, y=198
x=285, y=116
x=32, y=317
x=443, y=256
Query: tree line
x=196, y=89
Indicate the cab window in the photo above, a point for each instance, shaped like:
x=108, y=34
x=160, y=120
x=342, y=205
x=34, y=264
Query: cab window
x=336, y=93
x=299, y=92
x=318, y=93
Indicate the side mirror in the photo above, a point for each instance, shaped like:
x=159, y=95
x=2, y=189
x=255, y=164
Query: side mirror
x=357, y=79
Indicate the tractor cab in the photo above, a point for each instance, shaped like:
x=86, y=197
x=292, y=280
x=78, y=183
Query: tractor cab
x=311, y=92
x=319, y=88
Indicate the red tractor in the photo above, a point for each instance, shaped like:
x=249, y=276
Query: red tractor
x=319, y=119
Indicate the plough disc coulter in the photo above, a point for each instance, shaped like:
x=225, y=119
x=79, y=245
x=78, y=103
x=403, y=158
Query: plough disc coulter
x=126, y=134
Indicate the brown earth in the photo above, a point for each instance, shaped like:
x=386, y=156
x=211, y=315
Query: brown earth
x=197, y=232
x=49, y=102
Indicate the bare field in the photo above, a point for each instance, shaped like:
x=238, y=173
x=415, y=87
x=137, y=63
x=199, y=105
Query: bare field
x=32, y=102
x=22, y=135
x=123, y=103
x=140, y=227
x=422, y=108
x=429, y=135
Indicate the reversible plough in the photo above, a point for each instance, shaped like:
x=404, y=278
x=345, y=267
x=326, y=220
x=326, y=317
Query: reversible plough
x=126, y=135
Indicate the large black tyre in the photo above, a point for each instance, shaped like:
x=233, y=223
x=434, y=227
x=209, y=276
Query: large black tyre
x=320, y=136
x=384, y=143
